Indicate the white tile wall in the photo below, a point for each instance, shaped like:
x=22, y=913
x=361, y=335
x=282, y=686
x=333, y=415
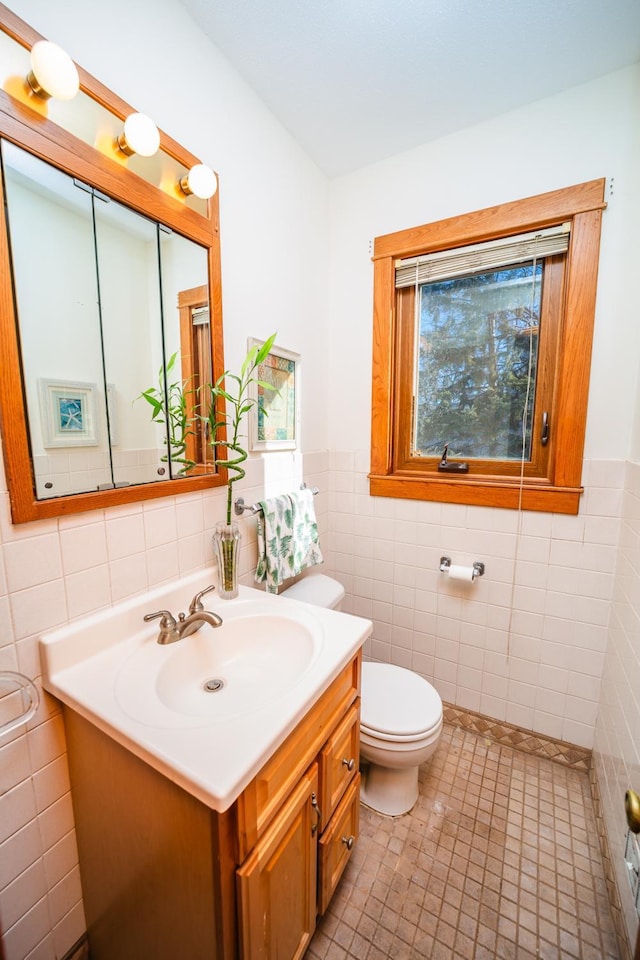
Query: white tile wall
x=617, y=740
x=525, y=643
x=58, y=570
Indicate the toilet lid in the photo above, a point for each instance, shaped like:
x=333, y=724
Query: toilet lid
x=398, y=702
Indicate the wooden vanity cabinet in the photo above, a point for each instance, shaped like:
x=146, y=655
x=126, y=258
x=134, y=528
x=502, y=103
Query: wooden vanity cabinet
x=165, y=876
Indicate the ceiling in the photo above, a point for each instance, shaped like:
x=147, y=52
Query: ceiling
x=355, y=81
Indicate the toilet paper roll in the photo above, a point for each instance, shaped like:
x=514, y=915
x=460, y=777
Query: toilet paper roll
x=458, y=572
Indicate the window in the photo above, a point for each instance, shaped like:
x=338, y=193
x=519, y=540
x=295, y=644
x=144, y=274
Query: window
x=476, y=360
x=195, y=351
x=482, y=344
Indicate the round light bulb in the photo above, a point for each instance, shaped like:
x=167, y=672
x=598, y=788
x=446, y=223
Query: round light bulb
x=53, y=72
x=140, y=135
x=201, y=181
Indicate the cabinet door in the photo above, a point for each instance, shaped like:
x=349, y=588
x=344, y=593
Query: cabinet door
x=339, y=760
x=336, y=843
x=277, y=881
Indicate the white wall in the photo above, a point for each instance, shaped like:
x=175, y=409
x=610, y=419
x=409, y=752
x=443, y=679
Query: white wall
x=530, y=642
x=617, y=740
x=583, y=134
x=526, y=643
x=273, y=200
x=274, y=227
x=275, y=242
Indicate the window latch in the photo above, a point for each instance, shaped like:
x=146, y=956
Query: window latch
x=544, y=436
x=448, y=466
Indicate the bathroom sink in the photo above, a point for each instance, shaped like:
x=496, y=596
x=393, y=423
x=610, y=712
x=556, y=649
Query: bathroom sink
x=217, y=674
x=275, y=655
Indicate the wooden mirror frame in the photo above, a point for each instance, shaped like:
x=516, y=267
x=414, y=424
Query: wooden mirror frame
x=28, y=129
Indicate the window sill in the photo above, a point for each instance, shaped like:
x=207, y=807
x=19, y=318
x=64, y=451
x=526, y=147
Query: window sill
x=479, y=492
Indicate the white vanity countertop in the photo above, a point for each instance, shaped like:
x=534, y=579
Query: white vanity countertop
x=213, y=759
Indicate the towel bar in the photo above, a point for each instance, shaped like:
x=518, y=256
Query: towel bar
x=240, y=506
x=22, y=685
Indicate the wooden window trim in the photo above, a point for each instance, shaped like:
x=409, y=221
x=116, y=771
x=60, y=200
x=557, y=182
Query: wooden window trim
x=560, y=490
x=196, y=368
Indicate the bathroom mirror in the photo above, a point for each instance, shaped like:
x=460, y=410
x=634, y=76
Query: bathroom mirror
x=110, y=319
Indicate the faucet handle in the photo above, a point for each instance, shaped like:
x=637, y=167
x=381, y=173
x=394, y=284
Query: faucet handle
x=196, y=604
x=168, y=619
x=169, y=631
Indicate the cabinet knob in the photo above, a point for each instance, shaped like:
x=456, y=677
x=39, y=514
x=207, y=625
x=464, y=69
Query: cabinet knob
x=316, y=808
x=349, y=764
x=349, y=842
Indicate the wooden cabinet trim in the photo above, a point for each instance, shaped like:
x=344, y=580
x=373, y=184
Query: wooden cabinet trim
x=260, y=801
x=335, y=776
x=334, y=853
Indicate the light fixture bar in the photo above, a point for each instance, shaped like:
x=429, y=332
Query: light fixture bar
x=200, y=181
x=139, y=135
x=53, y=73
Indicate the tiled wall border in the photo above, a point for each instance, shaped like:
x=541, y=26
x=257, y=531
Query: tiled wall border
x=609, y=872
x=569, y=755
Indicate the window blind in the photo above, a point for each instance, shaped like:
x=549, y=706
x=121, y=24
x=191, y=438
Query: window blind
x=478, y=257
x=200, y=315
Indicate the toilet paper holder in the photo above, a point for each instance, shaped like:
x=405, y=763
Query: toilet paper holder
x=477, y=567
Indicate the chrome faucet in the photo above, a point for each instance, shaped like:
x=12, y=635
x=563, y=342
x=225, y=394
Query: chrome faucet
x=172, y=629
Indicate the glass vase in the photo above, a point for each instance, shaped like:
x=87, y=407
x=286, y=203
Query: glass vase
x=226, y=545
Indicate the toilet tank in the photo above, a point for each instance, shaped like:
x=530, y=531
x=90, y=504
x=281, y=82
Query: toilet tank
x=318, y=589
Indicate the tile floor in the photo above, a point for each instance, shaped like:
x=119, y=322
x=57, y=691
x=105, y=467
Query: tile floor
x=498, y=859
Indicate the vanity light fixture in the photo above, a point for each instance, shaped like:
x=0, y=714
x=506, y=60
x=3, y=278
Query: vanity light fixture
x=201, y=181
x=53, y=73
x=139, y=135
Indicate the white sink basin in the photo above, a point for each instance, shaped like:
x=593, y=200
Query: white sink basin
x=219, y=673
x=275, y=655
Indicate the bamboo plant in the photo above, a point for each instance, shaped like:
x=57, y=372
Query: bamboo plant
x=169, y=408
x=234, y=389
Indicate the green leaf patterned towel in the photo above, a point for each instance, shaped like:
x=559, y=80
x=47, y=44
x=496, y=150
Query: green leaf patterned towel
x=287, y=538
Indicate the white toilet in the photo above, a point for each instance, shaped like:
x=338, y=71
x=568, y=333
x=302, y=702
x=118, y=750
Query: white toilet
x=401, y=716
x=400, y=726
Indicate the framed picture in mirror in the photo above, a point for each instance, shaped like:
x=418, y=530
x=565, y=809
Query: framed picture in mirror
x=68, y=413
x=275, y=418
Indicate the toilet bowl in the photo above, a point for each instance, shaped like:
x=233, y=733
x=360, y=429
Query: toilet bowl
x=401, y=716
x=400, y=726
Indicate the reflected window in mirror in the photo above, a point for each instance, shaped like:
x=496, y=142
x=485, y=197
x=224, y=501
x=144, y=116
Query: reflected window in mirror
x=195, y=352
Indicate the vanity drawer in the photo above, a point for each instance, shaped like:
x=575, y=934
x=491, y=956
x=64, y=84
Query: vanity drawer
x=339, y=761
x=336, y=843
x=263, y=797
